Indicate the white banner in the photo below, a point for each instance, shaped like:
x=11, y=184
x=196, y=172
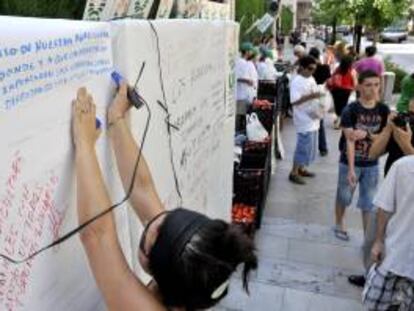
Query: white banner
x=40, y=71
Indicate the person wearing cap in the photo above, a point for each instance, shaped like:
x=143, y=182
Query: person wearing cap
x=265, y=68
x=190, y=256
x=252, y=70
x=245, y=82
x=298, y=52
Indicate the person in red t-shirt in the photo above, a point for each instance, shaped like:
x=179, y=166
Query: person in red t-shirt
x=341, y=85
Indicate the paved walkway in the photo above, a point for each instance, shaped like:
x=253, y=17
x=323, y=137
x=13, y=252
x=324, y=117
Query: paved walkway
x=302, y=267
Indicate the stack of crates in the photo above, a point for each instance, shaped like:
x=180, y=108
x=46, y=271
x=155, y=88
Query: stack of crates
x=252, y=175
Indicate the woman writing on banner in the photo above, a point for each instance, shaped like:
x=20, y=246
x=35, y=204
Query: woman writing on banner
x=190, y=256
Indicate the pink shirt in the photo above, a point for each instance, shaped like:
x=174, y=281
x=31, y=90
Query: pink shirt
x=370, y=63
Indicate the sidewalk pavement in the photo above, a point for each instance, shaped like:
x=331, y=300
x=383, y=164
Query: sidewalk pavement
x=302, y=266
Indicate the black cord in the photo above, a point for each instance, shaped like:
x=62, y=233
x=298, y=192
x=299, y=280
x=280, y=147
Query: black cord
x=108, y=210
x=128, y=194
x=164, y=106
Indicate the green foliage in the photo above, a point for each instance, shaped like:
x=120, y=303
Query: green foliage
x=378, y=14
x=71, y=9
x=247, y=12
x=324, y=12
x=398, y=71
x=286, y=20
x=375, y=14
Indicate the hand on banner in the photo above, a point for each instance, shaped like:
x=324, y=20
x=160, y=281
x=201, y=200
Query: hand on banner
x=85, y=127
x=120, y=105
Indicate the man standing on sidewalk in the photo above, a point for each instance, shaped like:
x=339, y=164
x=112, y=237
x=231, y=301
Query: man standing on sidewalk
x=303, y=93
x=397, y=142
x=321, y=74
x=361, y=121
x=390, y=282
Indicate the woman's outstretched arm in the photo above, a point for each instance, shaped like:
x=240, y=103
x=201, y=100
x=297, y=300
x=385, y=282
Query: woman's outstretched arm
x=118, y=284
x=144, y=197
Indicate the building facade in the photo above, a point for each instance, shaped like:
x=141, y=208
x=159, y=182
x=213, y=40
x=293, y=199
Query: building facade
x=303, y=13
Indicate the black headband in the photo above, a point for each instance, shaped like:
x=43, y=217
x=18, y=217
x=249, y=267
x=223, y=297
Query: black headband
x=178, y=228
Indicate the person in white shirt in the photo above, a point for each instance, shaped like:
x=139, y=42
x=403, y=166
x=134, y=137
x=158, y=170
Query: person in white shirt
x=252, y=72
x=245, y=91
x=265, y=67
x=244, y=78
x=303, y=94
x=390, y=282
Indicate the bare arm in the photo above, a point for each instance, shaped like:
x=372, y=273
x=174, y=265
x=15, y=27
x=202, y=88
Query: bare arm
x=403, y=137
x=350, y=154
x=306, y=98
x=382, y=220
x=380, y=142
x=119, y=286
x=355, y=77
x=408, y=149
x=377, y=252
x=144, y=197
x=246, y=81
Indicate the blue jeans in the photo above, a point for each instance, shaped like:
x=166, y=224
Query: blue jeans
x=323, y=146
x=305, y=151
x=367, y=178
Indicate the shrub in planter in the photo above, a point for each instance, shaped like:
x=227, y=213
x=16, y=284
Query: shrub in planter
x=398, y=71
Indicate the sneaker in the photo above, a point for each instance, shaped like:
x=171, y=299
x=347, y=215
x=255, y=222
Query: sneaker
x=296, y=179
x=357, y=280
x=306, y=173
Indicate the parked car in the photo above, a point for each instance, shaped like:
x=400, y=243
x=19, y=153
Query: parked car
x=344, y=30
x=369, y=34
x=393, y=34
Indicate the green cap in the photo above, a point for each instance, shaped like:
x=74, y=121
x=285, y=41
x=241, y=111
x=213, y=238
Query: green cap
x=246, y=47
x=255, y=51
x=268, y=53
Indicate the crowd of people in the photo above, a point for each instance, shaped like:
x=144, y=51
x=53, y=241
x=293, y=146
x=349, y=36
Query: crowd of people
x=369, y=129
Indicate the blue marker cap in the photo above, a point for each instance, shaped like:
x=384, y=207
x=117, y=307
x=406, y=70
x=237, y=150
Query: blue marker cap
x=98, y=123
x=117, y=78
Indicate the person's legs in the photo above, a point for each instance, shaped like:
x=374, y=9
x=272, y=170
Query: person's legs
x=343, y=97
x=336, y=99
x=301, y=157
x=312, y=142
x=344, y=196
x=368, y=184
x=365, y=220
x=339, y=215
x=322, y=144
x=369, y=238
x=340, y=99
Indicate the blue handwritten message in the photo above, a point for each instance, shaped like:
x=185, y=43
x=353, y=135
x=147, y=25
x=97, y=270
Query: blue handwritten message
x=40, y=66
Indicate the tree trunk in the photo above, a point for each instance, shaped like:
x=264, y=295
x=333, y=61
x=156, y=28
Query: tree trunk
x=333, y=39
x=358, y=36
x=376, y=38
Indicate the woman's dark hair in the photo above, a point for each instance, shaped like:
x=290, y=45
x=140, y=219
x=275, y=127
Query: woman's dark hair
x=345, y=64
x=315, y=53
x=370, y=50
x=207, y=261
